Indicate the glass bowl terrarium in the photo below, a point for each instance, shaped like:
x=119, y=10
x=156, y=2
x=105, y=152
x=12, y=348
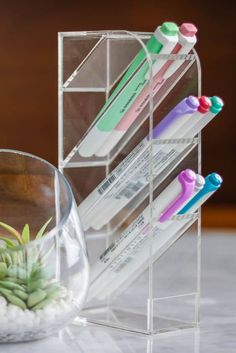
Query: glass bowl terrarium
x=43, y=261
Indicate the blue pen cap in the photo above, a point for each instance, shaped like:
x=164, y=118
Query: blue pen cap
x=212, y=183
x=214, y=180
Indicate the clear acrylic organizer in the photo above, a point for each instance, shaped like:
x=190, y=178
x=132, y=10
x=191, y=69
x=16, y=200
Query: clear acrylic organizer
x=161, y=292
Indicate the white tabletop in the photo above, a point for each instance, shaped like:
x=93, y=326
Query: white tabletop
x=217, y=333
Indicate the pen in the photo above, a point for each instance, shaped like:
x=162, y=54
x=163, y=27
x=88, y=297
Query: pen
x=187, y=39
x=166, y=36
x=185, y=180
x=136, y=262
x=167, y=128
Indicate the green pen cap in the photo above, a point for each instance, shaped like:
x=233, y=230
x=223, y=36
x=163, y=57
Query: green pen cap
x=216, y=104
x=169, y=28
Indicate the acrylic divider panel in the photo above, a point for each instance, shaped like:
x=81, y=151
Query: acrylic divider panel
x=152, y=285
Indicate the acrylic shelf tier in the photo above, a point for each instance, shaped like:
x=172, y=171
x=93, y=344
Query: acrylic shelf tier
x=151, y=300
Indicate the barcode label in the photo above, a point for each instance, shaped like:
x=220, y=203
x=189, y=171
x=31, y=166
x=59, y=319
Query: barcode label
x=130, y=190
x=106, y=184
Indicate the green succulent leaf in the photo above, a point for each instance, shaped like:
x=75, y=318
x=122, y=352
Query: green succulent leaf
x=7, y=259
x=36, y=297
x=13, y=299
x=42, y=304
x=3, y=270
x=9, y=243
x=42, y=230
x=10, y=285
x=21, y=294
x=12, y=231
x=26, y=234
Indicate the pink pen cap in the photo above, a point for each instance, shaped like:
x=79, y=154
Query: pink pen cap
x=188, y=29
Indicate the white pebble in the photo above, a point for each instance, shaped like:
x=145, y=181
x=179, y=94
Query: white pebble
x=20, y=323
x=14, y=312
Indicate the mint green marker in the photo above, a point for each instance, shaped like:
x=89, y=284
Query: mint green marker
x=163, y=41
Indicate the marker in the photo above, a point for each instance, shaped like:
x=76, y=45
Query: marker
x=172, y=122
x=137, y=262
x=162, y=71
x=212, y=183
x=166, y=37
x=138, y=228
x=138, y=178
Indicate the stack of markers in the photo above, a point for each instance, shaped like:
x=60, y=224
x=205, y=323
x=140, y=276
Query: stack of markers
x=130, y=177
x=132, y=93
x=122, y=262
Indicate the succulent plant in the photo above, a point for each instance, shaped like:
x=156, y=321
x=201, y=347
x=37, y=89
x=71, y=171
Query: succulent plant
x=24, y=281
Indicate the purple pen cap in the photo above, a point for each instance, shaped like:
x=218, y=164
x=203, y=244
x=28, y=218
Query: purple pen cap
x=192, y=102
x=188, y=105
x=187, y=179
x=188, y=176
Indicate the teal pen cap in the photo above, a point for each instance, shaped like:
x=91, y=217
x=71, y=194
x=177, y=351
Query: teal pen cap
x=212, y=183
x=216, y=104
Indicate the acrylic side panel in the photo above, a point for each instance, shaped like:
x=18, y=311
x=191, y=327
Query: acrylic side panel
x=174, y=279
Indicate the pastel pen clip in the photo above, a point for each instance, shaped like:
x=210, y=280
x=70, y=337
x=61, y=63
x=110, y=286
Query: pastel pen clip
x=186, y=41
x=166, y=36
x=212, y=183
x=187, y=179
